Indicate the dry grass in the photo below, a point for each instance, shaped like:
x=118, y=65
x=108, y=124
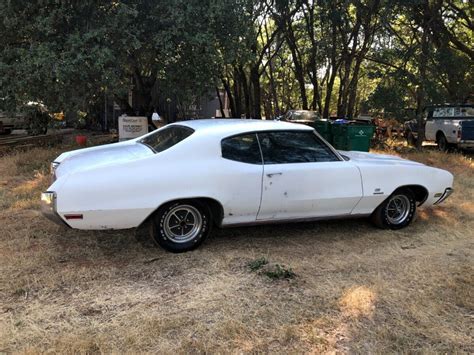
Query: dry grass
x=356, y=289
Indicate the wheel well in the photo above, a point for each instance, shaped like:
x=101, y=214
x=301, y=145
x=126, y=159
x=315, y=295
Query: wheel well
x=439, y=134
x=420, y=192
x=215, y=208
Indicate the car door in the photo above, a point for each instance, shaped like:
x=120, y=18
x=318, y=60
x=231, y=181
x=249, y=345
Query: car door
x=305, y=178
x=240, y=182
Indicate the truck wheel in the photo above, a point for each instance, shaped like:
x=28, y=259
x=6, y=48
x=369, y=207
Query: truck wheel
x=411, y=140
x=442, y=142
x=181, y=226
x=397, y=211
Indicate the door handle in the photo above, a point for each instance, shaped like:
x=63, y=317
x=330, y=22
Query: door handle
x=273, y=174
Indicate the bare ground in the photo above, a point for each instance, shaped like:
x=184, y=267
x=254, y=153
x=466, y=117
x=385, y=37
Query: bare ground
x=355, y=289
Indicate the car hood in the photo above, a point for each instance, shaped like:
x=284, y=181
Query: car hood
x=379, y=159
x=82, y=159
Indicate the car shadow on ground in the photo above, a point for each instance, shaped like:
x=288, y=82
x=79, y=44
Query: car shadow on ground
x=120, y=243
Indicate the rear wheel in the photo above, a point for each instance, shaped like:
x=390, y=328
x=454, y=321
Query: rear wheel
x=442, y=142
x=397, y=211
x=181, y=226
x=411, y=139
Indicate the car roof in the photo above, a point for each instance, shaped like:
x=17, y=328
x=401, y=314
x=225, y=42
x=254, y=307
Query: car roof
x=229, y=126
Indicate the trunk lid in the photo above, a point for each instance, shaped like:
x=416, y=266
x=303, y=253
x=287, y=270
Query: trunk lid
x=100, y=156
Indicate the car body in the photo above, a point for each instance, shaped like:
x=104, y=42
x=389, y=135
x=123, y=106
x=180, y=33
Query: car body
x=241, y=171
x=447, y=125
x=300, y=116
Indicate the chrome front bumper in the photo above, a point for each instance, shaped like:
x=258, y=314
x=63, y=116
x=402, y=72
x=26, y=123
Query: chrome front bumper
x=445, y=195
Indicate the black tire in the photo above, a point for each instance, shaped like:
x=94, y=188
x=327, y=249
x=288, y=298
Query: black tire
x=385, y=216
x=411, y=140
x=442, y=142
x=181, y=226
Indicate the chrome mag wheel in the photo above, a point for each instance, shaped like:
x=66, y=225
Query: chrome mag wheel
x=182, y=223
x=398, y=209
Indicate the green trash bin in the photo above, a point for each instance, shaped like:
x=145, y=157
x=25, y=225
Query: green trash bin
x=352, y=137
x=323, y=127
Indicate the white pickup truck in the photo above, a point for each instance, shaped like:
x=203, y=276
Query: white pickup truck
x=448, y=125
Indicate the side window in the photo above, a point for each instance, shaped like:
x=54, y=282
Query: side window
x=243, y=148
x=283, y=147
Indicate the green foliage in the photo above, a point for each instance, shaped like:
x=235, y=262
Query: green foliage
x=67, y=55
x=332, y=56
x=279, y=272
x=272, y=271
x=37, y=118
x=257, y=264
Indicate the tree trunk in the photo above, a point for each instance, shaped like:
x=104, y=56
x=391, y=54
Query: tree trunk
x=329, y=88
x=353, y=88
x=423, y=59
x=255, y=79
x=316, y=101
x=344, y=86
x=237, y=94
x=273, y=91
x=334, y=66
x=299, y=72
x=347, y=59
x=229, y=95
x=312, y=66
x=221, y=106
x=246, y=88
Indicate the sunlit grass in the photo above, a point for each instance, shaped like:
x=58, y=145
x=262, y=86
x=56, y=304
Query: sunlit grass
x=357, y=289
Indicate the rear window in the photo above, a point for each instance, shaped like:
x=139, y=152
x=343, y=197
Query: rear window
x=166, y=138
x=453, y=112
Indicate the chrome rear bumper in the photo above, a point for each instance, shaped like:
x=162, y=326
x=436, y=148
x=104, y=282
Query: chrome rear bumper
x=48, y=208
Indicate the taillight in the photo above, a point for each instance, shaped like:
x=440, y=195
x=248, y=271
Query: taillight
x=73, y=216
x=459, y=132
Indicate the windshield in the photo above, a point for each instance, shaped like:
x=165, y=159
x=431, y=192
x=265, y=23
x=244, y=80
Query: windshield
x=302, y=116
x=166, y=138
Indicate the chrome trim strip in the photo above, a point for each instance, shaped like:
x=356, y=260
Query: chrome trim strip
x=295, y=220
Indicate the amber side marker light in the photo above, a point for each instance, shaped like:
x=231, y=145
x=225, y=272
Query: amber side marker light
x=73, y=216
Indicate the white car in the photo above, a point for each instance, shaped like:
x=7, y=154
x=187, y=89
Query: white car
x=186, y=177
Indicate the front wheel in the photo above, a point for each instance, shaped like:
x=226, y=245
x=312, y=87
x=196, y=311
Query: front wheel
x=181, y=226
x=397, y=211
